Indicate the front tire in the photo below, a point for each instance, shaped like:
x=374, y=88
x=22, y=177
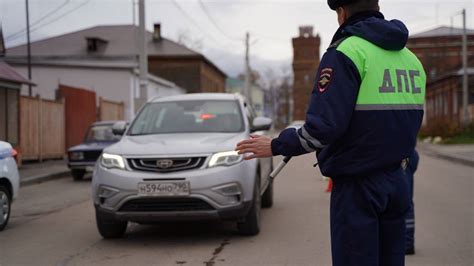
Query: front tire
x=267, y=197
x=251, y=225
x=5, y=207
x=77, y=174
x=109, y=227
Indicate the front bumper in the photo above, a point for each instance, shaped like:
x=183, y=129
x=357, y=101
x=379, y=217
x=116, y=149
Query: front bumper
x=87, y=166
x=203, y=183
x=231, y=213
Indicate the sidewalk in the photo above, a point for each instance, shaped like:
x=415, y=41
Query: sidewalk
x=463, y=154
x=31, y=173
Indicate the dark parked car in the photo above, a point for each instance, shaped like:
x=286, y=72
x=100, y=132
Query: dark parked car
x=82, y=158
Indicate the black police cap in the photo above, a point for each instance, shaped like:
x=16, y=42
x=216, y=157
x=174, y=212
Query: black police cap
x=334, y=4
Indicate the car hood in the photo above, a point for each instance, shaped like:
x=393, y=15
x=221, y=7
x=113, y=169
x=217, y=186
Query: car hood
x=91, y=146
x=176, y=144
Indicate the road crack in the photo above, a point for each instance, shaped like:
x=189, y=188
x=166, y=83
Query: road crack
x=215, y=254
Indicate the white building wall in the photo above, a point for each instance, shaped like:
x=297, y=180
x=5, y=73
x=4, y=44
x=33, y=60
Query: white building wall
x=113, y=85
x=118, y=85
x=155, y=89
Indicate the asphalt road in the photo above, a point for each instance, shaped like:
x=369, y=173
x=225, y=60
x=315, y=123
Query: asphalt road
x=53, y=224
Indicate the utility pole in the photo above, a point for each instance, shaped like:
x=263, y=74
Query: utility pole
x=142, y=54
x=465, y=93
x=28, y=46
x=247, y=90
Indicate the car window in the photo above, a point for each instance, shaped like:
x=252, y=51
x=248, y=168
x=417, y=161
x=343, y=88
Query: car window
x=101, y=133
x=188, y=117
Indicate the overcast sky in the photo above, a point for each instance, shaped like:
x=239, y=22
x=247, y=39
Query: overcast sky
x=220, y=25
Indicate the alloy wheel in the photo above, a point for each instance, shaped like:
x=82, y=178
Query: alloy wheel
x=4, y=207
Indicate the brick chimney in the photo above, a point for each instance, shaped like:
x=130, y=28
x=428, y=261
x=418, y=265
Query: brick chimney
x=156, y=32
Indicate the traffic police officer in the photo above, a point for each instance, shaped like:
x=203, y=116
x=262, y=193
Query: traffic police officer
x=410, y=218
x=365, y=112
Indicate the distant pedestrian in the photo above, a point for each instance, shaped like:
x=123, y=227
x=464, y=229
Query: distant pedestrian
x=410, y=219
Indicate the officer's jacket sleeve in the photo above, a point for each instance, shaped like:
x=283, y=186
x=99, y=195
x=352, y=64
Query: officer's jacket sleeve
x=332, y=103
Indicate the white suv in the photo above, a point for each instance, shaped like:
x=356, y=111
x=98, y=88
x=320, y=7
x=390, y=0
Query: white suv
x=176, y=161
x=9, y=181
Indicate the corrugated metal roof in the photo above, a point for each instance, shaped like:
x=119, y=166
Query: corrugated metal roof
x=442, y=31
x=7, y=73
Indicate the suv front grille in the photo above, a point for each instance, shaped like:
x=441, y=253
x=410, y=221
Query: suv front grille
x=165, y=205
x=166, y=165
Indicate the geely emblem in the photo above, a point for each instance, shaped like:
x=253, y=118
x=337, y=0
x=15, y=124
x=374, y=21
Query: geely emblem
x=164, y=164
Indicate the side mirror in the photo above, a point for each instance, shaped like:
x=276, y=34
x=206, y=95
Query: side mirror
x=261, y=124
x=119, y=128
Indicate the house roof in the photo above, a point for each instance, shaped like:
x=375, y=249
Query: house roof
x=119, y=41
x=120, y=38
x=7, y=73
x=442, y=31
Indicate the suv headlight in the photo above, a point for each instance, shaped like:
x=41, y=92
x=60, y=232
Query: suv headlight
x=225, y=159
x=112, y=161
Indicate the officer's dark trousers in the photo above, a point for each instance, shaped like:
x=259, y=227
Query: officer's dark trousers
x=368, y=220
x=410, y=219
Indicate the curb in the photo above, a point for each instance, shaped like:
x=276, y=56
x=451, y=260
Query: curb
x=433, y=153
x=43, y=178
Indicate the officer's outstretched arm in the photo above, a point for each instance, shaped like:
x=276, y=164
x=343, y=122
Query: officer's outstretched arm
x=332, y=103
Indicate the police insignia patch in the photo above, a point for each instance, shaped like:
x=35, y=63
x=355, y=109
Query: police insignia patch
x=325, y=79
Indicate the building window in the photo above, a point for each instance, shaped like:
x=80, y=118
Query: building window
x=433, y=73
x=455, y=102
x=445, y=104
x=9, y=116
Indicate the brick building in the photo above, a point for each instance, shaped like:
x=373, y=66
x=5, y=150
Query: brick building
x=440, y=51
x=444, y=98
x=183, y=66
x=305, y=64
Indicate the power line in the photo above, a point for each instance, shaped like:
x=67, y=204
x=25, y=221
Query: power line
x=192, y=20
x=54, y=20
x=21, y=32
x=208, y=14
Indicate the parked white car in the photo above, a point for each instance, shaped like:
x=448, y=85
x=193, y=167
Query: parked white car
x=176, y=161
x=9, y=181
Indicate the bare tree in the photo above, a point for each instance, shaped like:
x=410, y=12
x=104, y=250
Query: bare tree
x=185, y=38
x=278, y=85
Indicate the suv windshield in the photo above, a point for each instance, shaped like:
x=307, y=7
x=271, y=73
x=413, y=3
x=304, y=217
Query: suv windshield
x=189, y=117
x=101, y=133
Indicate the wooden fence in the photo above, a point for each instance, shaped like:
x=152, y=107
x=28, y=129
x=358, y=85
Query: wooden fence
x=109, y=110
x=42, y=124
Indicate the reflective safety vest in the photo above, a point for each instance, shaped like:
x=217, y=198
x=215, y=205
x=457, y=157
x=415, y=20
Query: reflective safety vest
x=399, y=85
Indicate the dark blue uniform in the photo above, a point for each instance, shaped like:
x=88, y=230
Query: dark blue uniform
x=410, y=219
x=360, y=148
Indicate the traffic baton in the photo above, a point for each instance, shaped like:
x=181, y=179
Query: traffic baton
x=280, y=167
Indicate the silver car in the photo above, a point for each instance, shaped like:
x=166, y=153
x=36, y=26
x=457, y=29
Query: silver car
x=176, y=161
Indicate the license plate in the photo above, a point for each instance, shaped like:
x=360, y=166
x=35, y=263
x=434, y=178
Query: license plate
x=163, y=189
